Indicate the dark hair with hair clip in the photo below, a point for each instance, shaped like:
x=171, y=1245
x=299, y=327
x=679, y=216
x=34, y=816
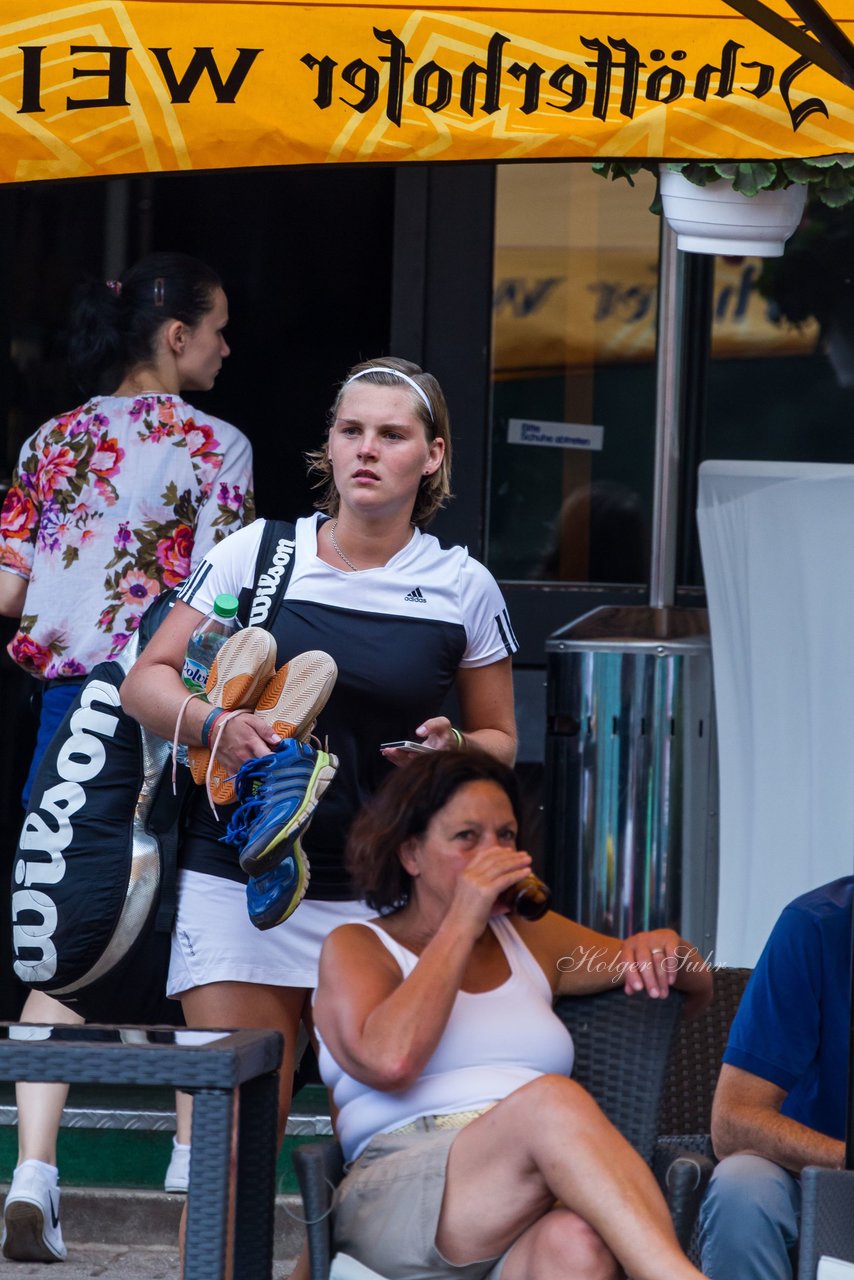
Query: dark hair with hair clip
x=114, y=323
x=401, y=810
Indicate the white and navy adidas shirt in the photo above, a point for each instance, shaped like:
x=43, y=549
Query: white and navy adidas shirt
x=398, y=634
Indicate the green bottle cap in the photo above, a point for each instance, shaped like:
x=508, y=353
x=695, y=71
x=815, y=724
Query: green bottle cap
x=225, y=606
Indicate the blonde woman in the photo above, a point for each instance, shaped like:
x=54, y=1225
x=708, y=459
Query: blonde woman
x=405, y=620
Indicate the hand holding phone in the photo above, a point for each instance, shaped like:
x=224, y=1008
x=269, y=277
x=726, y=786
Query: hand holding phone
x=406, y=744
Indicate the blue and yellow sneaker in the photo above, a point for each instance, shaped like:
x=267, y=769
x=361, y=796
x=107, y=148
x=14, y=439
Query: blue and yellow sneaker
x=274, y=895
x=278, y=794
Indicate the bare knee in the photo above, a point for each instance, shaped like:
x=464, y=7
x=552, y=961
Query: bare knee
x=40, y=1007
x=568, y=1244
x=554, y=1095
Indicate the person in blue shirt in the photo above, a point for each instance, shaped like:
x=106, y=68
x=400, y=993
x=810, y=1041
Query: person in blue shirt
x=780, y=1099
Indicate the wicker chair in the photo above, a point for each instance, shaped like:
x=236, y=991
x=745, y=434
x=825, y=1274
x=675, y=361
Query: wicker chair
x=684, y=1159
x=695, y=1059
x=827, y=1218
x=621, y=1053
x=827, y=1195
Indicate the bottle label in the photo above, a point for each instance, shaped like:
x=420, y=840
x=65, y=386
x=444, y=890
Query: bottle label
x=194, y=675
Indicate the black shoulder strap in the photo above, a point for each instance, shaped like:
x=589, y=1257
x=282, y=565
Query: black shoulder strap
x=258, y=607
x=273, y=568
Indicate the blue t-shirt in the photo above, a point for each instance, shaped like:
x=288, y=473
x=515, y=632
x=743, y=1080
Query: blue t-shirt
x=792, y=1026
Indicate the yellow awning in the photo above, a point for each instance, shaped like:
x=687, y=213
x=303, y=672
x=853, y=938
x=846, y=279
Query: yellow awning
x=103, y=87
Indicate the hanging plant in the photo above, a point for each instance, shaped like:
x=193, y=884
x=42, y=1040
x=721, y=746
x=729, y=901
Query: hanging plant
x=829, y=179
x=815, y=278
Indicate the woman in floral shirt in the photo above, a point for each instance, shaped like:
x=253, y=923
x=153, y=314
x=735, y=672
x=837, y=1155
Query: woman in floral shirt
x=109, y=504
x=114, y=501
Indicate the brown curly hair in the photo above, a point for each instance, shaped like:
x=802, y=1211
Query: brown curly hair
x=401, y=810
x=435, y=489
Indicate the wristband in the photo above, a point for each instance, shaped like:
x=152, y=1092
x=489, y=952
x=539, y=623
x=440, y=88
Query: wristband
x=459, y=740
x=209, y=724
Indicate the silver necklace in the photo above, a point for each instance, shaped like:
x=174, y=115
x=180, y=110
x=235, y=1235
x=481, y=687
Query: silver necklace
x=338, y=551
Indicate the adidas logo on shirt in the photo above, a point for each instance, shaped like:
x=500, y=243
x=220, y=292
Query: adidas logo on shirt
x=416, y=597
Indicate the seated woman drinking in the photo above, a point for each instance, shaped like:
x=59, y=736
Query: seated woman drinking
x=472, y=1154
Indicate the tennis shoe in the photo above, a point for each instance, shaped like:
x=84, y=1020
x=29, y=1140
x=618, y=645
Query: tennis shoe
x=178, y=1173
x=31, y=1230
x=274, y=895
x=242, y=668
x=289, y=700
x=278, y=795
x=295, y=696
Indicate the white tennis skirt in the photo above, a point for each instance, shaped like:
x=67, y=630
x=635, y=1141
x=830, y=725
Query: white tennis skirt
x=215, y=941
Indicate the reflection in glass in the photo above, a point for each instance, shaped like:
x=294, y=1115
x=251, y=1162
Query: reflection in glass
x=601, y=535
x=574, y=333
x=778, y=386
x=573, y=378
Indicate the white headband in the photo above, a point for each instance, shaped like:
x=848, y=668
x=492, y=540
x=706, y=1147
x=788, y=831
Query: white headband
x=396, y=373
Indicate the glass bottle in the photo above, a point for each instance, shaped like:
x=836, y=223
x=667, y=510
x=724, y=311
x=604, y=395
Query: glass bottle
x=528, y=898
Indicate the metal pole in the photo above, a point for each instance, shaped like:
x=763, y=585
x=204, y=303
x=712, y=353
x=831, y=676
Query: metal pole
x=668, y=399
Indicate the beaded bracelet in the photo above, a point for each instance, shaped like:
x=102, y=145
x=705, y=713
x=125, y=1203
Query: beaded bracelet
x=459, y=740
x=209, y=724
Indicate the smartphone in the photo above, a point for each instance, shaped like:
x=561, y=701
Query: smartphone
x=405, y=744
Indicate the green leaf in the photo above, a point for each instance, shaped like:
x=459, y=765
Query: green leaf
x=823, y=162
x=227, y=516
x=698, y=173
x=751, y=178
x=614, y=169
x=120, y=554
x=146, y=561
x=829, y=178
x=148, y=537
x=798, y=171
x=837, y=197
x=185, y=509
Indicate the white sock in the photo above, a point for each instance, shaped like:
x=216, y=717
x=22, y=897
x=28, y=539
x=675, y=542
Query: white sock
x=180, y=1146
x=50, y=1171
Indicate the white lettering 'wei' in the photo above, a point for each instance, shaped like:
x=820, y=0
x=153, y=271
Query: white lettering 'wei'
x=48, y=831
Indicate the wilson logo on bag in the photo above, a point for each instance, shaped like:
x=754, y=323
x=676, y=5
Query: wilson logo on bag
x=94, y=876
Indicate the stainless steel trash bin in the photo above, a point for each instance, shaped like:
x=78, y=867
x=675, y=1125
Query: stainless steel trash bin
x=631, y=772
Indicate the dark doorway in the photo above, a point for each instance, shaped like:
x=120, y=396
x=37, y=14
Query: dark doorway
x=306, y=256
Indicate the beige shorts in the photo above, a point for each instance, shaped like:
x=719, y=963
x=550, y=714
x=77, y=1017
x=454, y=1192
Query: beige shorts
x=387, y=1210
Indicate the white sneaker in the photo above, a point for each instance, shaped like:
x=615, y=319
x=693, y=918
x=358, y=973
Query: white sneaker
x=178, y=1174
x=31, y=1230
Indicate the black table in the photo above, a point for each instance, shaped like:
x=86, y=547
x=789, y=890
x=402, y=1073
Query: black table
x=211, y=1065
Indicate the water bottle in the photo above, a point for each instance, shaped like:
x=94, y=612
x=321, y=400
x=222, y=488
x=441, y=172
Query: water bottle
x=207, y=640
x=528, y=898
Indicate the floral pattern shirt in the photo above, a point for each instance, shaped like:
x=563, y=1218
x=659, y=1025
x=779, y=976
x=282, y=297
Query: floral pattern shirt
x=109, y=504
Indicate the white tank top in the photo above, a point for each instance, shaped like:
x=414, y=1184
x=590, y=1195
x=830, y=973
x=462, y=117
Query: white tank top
x=494, y=1042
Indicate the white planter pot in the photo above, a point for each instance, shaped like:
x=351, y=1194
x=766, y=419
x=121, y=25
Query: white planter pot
x=716, y=219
